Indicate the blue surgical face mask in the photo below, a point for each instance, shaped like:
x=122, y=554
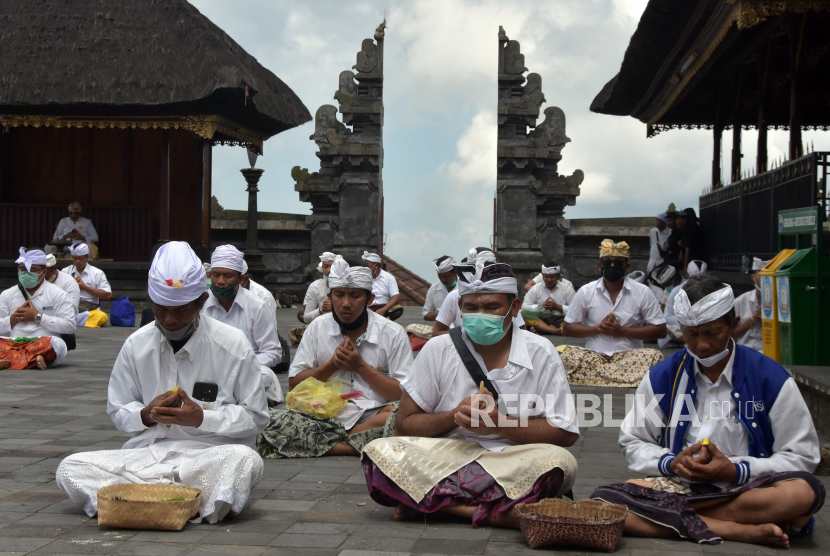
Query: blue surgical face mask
x=28, y=280
x=209, y=283
x=326, y=277
x=484, y=329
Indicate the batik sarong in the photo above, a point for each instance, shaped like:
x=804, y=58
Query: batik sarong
x=294, y=434
x=670, y=503
x=225, y=475
x=21, y=353
x=624, y=369
x=428, y=474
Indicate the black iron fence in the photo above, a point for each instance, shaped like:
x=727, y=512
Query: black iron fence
x=742, y=218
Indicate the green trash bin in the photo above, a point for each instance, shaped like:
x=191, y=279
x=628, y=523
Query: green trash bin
x=796, y=281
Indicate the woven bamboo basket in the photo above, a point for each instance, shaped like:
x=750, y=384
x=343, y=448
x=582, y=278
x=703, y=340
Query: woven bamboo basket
x=129, y=506
x=587, y=523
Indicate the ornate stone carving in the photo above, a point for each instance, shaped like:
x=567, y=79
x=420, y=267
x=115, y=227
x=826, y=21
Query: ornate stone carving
x=514, y=60
x=367, y=58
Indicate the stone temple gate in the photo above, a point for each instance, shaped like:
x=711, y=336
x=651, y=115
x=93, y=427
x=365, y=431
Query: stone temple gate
x=531, y=196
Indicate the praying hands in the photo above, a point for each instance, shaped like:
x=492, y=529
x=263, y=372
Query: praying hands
x=24, y=313
x=552, y=305
x=611, y=326
x=347, y=357
x=463, y=413
x=172, y=409
x=711, y=466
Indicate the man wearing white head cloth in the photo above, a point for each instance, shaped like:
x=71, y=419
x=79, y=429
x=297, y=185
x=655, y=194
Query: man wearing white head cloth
x=316, y=302
x=674, y=336
x=449, y=316
x=91, y=280
x=34, y=308
x=75, y=228
x=189, y=388
x=385, y=289
x=723, y=434
x=366, y=354
x=657, y=237
x=452, y=436
x=438, y=292
x=747, y=330
x=549, y=300
x=233, y=305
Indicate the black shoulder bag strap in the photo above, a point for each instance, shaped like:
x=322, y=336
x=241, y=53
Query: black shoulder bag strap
x=23, y=291
x=469, y=361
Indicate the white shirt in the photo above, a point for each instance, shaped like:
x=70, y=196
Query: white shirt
x=385, y=287
x=796, y=446
x=57, y=318
x=83, y=226
x=439, y=381
x=562, y=293
x=316, y=295
x=656, y=239
x=249, y=314
x=450, y=313
x=216, y=353
x=265, y=296
x=384, y=346
x=745, y=306
x=92, y=277
x=70, y=286
x=436, y=294
x=635, y=306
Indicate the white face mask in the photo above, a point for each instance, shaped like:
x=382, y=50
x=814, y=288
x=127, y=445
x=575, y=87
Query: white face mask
x=714, y=359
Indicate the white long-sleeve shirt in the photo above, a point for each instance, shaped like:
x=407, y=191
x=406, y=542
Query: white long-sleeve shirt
x=635, y=306
x=745, y=306
x=216, y=353
x=249, y=315
x=316, y=295
x=436, y=294
x=265, y=296
x=93, y=277
x=58, y=316
x=796, y=446
x=562, y=293
x=70, y=286
x=656, y=239
x=83, y=226
x=384, y=346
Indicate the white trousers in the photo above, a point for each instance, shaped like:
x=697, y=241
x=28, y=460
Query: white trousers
x=225, y=475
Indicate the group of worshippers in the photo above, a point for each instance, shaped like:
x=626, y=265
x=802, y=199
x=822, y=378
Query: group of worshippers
x=677, y=239
x=443, y=433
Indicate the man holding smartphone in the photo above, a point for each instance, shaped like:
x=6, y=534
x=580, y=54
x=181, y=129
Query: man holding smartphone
x=190, y=389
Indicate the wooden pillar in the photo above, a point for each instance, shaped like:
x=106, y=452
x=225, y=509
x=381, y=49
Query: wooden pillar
x=717, y=132
x=164, y=193
x=796, y=44
x=207, y=171
x=736, y=131
x=763, y=72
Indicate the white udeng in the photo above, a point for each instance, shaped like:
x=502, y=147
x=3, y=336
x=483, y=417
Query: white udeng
x=216, y=457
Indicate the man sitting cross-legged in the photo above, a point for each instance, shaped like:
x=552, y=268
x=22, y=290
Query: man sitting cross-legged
x=725, y=434
x=550, y=300
x=200, y=436
x=367, y=353
x=454, y=456
x=615, y=314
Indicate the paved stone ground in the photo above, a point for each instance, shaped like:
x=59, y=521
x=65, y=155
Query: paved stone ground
x=316, y=507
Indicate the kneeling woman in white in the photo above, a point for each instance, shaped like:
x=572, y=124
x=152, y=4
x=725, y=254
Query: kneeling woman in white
x=203, y=443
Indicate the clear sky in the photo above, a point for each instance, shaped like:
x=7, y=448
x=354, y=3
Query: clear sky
x=440, y=100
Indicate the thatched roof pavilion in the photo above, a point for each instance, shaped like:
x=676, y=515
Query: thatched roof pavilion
x=112, y=102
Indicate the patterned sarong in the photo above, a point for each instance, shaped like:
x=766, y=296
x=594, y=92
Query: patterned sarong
x=293, y=434
x=670, y=503
x=625, y=369
x=23, y=354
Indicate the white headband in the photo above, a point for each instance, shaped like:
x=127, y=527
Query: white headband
x=758, y=264
x=51, y=260
x=551, y=269
x=471, y=283
x=79, y=250
x=637, y=276
x=328, y=256
x=444, y=265
x=666, y=274
x=244, y=267
x=371, y=257
x=28, y=258
x=177, y=276
x=227, y=256
x=344, y=276
x=484, y=256
x=696, y=267
x=710, y=308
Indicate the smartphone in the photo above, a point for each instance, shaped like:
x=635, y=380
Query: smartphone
x=205, y=391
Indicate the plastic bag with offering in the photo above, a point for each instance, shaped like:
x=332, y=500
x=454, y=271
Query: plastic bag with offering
x=316, y=398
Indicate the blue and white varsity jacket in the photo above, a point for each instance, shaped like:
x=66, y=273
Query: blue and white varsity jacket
x=770, y=407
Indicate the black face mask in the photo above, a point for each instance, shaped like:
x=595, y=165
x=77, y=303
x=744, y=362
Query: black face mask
x=613, y=273
x=347, y=327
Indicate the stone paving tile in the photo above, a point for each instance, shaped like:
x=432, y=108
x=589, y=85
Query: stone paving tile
x=308, y=540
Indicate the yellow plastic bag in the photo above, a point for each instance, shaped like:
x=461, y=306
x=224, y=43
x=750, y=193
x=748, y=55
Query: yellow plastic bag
x=96, y=319
x=316, y=398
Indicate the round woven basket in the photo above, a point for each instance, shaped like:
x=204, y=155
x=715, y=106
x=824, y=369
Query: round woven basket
x=129, y=506
x=587, y=523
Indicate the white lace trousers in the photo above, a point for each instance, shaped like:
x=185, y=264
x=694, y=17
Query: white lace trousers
x=225, y=475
